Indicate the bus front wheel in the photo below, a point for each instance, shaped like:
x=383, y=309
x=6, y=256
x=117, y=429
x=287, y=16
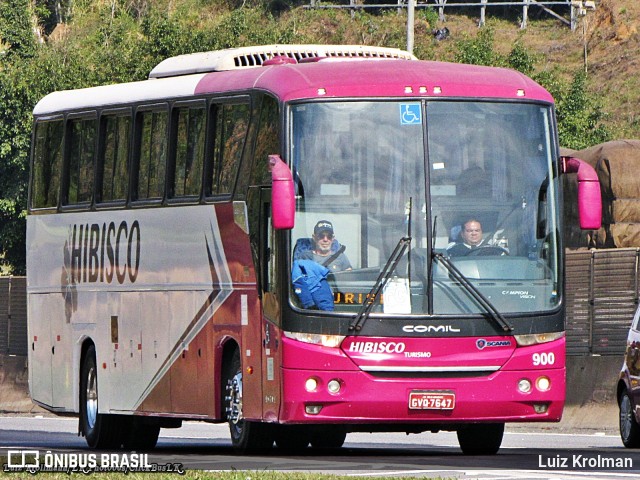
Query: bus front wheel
x=100, y=430
x=481, y=438
x=246, y=436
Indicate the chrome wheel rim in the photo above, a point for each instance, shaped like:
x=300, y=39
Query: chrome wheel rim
x=234, y=399
x=92, y=398
x=626, y=418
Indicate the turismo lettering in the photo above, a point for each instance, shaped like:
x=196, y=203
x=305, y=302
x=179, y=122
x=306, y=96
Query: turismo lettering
x=98, y=253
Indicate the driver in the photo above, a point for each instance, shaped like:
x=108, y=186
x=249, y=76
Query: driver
x=323, y=249
x=472, y=239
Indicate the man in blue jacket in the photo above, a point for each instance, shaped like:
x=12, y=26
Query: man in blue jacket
x=323, y=248
x=313, y=260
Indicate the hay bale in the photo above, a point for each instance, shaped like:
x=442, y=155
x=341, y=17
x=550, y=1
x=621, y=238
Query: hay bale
x=616, y=164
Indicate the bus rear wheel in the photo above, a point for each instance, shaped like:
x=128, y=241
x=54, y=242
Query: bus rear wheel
x=141, y=435
x=246, y=436
x=481, y=438
x=101, y=431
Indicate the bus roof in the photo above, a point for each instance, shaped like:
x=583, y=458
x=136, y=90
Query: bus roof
x=327, y=78
x=249, y=57
x=319, y=77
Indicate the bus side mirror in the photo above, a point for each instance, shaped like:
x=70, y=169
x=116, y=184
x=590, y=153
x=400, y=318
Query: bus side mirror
x=283, y=200
x=589, y=198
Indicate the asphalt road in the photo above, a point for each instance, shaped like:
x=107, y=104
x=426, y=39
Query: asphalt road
x=525, y=454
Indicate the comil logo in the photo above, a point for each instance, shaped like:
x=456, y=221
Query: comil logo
x=429, y=329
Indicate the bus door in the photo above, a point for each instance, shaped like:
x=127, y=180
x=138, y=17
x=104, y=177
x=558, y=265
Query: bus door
x=270, y=291
x=41, y=348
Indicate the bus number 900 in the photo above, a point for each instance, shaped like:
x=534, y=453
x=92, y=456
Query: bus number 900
x=544, y=358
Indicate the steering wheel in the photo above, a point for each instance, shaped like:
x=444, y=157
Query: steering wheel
x=487, y=250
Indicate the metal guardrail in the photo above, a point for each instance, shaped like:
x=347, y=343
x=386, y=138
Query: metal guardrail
x=576, y=8
x=13, y=315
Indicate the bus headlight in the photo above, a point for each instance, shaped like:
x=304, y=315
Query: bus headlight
x=316, y=338
x=537, y=338
x=543, y=384
x=311, y=384
x=334, y=386
x=524, y=386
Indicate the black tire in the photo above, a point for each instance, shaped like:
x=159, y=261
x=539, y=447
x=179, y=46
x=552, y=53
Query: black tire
x=101, y=431
x=141, y=435
x=328, y=437
x=481, y=439
x=246, y=436
x=293, y=438
x=629, y=428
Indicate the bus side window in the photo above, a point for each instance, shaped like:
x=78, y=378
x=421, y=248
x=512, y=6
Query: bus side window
x=190, y=147
x=231, y=123
x=113, y=160
x=47, y=163
x=267, y=141
x=82, y=146
x=152, y=154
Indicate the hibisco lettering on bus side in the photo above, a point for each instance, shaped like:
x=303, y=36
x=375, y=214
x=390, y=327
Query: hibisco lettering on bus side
x=377, y=347
x=102, y=252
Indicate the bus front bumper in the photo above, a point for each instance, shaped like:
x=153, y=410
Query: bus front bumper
x=356, y=397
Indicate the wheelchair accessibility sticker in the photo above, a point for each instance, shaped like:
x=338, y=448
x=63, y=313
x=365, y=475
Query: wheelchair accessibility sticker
x=410, y=114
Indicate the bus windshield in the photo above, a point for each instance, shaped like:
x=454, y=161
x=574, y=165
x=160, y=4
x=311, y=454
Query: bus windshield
x=471, y=181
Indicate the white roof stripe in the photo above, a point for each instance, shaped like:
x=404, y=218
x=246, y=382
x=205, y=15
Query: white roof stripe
x=106, y=95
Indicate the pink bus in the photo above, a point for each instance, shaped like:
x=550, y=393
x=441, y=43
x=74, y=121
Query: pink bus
x=302, y=241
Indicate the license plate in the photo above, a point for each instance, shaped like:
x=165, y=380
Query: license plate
x=438, y=400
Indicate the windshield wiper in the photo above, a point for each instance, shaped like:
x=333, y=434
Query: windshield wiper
x=381, y=281
x=458, y=276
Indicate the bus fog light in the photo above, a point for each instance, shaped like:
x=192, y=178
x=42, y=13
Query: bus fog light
x=313, y=409
x=334, y=386
x=540, y=407
x=543, y=384
x=311, y=384
x=524, y=386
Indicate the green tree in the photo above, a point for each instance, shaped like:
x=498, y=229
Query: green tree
x=479, y=50
x=521, y=60
x=16, y=32
x=14, y=145
x=18, y=47
x=580, y=116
